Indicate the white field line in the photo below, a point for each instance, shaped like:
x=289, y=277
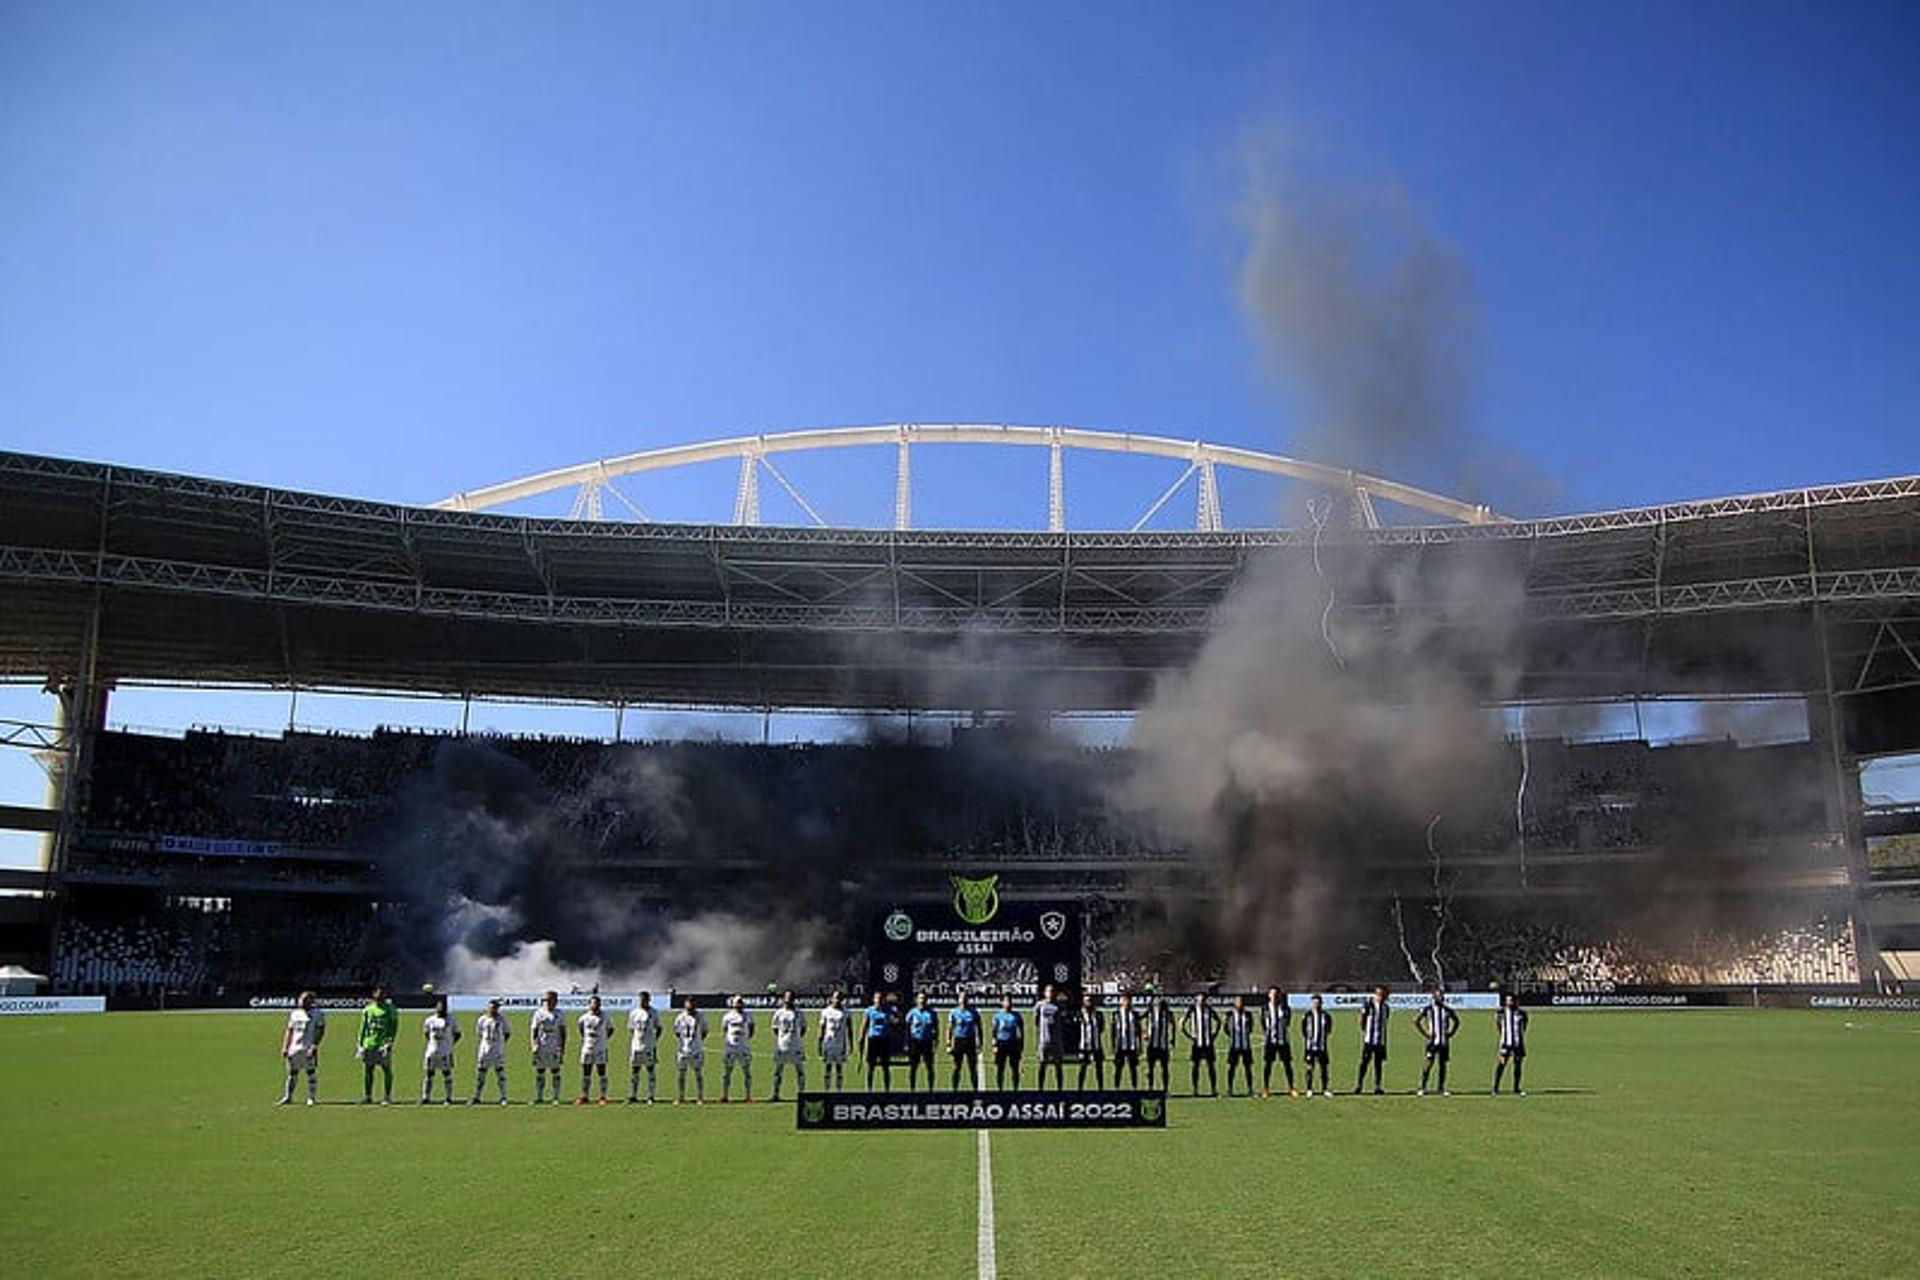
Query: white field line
x=989, y=1265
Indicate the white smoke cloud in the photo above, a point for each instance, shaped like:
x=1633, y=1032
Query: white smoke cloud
x=711, y=951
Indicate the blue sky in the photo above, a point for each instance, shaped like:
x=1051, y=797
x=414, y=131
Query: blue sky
x=399, y=251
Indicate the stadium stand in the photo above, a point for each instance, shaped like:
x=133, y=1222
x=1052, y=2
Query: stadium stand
x=217, y=860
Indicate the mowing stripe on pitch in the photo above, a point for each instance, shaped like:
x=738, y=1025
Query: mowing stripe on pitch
x=989, y=1265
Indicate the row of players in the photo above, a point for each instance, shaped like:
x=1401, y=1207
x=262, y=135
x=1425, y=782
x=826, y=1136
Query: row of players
x=1060, y=1032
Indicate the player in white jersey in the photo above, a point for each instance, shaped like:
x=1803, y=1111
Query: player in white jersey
x=596, y=1028
x=833, y=1042
x=492, y=1033
x=643, y=1039
x=736, y=1041
x=300, y=1047
x=789, y=1043
x=548, y=1031
x=689, y=1030
x=442, y=1031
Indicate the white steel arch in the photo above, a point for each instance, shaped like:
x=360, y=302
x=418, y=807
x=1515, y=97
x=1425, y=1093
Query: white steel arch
x=756, y=453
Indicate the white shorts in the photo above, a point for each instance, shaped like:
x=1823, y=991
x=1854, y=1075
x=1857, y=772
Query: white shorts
x=438, y=1062
x=643, y=1058
x=593, y=1057
x=303, y=1059
x=492, y=1060
x=547, y=1060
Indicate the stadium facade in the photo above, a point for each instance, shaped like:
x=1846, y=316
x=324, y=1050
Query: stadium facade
x=111, y=575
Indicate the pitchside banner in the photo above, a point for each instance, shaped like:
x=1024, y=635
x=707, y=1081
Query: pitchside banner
x=13, y=1006
x=1403, y=1001
x=1012, y=1109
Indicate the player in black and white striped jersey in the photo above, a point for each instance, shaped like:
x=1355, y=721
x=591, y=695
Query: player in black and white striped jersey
x=1049, y=1034
x=1126, y=1043
x=1373, y=1039
x=1512, y=1023
x=1157, y=1034
x=1240, y=1043
x=1437, y=1022
x=1201, y=1023
x=1274, y=1016
x=1091, y=1028
x=1316, y=1029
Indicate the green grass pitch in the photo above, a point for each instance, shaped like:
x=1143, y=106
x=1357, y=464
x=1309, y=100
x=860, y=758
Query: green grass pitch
x=1708, y=1143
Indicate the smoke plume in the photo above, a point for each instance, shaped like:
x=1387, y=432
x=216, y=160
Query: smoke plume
x=1336, y=709
x=1332, y=744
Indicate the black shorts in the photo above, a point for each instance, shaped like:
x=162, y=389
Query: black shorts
x=1053, y=1052
x=1240, y=1055
x=965, y=1047
x=877, y=1051
x=1007, y=1051
x=1203, y=1053
x=1282, y=1052
x=1518, y=1051
x=1372, y=1053
x=1157, y=1055
x=1437, y=1052
x=1123, y=1057
x=919, y=1051
x=1316, y=1055
x=1092, y=1055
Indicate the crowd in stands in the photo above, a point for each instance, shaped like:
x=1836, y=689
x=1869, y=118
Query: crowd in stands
x=150, y=955
x=206, y=948
x=971, y=801
x=1820, y=952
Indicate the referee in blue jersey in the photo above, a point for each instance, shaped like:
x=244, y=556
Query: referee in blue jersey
x=923, y=1032
x=879, y=1036
x=963, y=1041
x=1009, y=1038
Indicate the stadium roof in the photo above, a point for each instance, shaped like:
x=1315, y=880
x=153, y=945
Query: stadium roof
x=205, y=580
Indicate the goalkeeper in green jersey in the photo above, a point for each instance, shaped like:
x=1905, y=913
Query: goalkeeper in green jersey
x=379, y=1028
